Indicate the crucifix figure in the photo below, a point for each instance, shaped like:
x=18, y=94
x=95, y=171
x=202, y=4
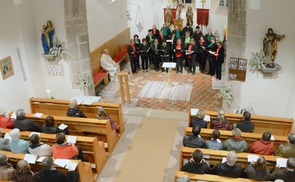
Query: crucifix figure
x=270, y=46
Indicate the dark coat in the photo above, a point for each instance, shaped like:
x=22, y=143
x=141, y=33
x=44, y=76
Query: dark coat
x=198, y=121
x=130, y=50
x=143, y=49
x=220, y=59
x=246, y=126
x=192, y=167
x=223, y=169
x=75, y=112
x=24, y=124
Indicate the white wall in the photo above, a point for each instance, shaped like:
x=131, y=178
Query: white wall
x=271, y=95
x=105, y=20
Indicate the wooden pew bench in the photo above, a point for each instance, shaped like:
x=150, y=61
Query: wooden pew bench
x=275, y=125
x=101, y=75
x=210, y=177
x=216, y=156
x=83, y=168
x=121, y=56
x=60, y=107
x=77, y=126
x=92, y=149
x=206, y=134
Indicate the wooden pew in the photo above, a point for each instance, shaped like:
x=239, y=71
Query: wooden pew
x=90, y=146
x=215, y=157
x=83, y=168
x=206, y=134
x=59, y=108
x=275, y=125
x=100, y=128
x=210, y=177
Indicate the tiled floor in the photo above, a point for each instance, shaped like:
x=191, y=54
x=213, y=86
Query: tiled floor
x=202, y=96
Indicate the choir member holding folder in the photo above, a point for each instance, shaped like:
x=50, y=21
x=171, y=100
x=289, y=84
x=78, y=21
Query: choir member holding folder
x=201, y=53
x=191, y=55
x=144, y=49
x=178, y=49
x=156, y=48
x=211, y=48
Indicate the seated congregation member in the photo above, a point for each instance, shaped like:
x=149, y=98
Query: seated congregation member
x=219, y=59
x=155, y=47
x=199, y=119
x=63, y=150
x=288, y=149
x=220, y=123
x=183, y=178
x=285, y=174
x=5, y=122
x=50, y=128
x=48, y=173
x=38, y=148
x=192, y=48
x=74, y=111
x=101, y=114
x=24, y=124
x=4, y=143
x=16, y=144
x=194, y=141
x=196, y=164
x=257, y=170
x=109, y=64
x=229, y=168
x=214, y=143
x=132, y=52
x=178, y=50
x=236, y=143
x=263, y=146
x=164, y=54
x=24, y=173
x=144, y=54
x=7, y=171
x=246, y=125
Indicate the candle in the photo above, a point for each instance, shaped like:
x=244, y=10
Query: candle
x=224, y=33
x=48, y=94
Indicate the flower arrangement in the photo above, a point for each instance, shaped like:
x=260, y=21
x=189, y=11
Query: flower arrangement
x=59, y=49
x=226, y=93
x=84, y=82
x=216, y=34
x=258, y=60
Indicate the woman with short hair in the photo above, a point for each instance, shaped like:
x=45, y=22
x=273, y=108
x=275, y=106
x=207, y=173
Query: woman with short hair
x=24, y=173
x=257, y=170
x=199, y=120
x=50, y=128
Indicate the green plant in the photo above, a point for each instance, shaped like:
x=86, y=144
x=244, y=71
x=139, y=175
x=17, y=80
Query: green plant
x=59, y=49
x=84, y=82
x=257, y=61
x=226, y=93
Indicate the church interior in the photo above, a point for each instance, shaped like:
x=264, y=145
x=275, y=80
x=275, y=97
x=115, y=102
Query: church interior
x=148, y=143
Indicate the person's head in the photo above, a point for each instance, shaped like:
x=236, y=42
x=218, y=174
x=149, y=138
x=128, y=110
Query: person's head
x=3, y=159
x=219, y=43
x=188, y=25
x=202, y=39
x=246, y=115
x=35, y=139
x=212, y=39
x=192, y=41
x=101, y=113
x=20, y=113
x=23, y=167
x=131, y=41
x=196, y=130
x=291, y=163
x=73, y=103
x=200, y=114
x=187, y=34
x=15, y=134
x=154, y=26
x=260, y=164
x=231, y=158
x=164, y=25
x=47, y=163
x=236, y=132
x=106, y=51
x=135, y=37
x=60, y=138
x=291, y=138
x=176, y=28
x=197, y=156
x=144, y=41
x=2, y=112
x=49, y=121
x=179, y=41
x=164, y=42
x=266, y=136
x=49, y=24
x=209, y=31
x=197, y=28
x=221, y=115
x=270, y=31
x=156, y=40
x=173, y=34
x=150, y=31
x=215, y=134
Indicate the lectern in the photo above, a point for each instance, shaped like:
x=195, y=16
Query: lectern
x=124, y=84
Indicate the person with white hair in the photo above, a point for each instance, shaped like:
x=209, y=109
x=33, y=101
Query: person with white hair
x=229, y=168
x=5, y=122
x=4, y=143
x=16, y=144
x=74, y=111
x=109, y=64
x=24, y=124
x=6, y=170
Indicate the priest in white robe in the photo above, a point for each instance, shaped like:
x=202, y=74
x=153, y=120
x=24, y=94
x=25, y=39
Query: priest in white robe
x=109, y=64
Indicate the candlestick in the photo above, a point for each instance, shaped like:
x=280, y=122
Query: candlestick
x=48, y=94
x=224, y=33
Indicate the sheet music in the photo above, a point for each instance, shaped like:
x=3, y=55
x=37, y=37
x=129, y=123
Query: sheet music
x=194, y=111
x=7, y=136
x=38, y=115
x=187, y=52
x=148, y=49
x=282, y=162
x=62, y=126
x=272, y=138
x=71, y=165
x=169, y=65
x=13, y=116
x=31, y=159
x=211, y=52
x=40, y=159
x=170, y=40
x=205, y=156
x=252, y=158
x=223, y=160
x=71, y=139
x=61, y=162
x=207, y=118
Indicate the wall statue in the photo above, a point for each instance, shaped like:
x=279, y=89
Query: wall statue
x=47, y=36
x=189, y=15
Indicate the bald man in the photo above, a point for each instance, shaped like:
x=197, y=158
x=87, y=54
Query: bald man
x=109, y=64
